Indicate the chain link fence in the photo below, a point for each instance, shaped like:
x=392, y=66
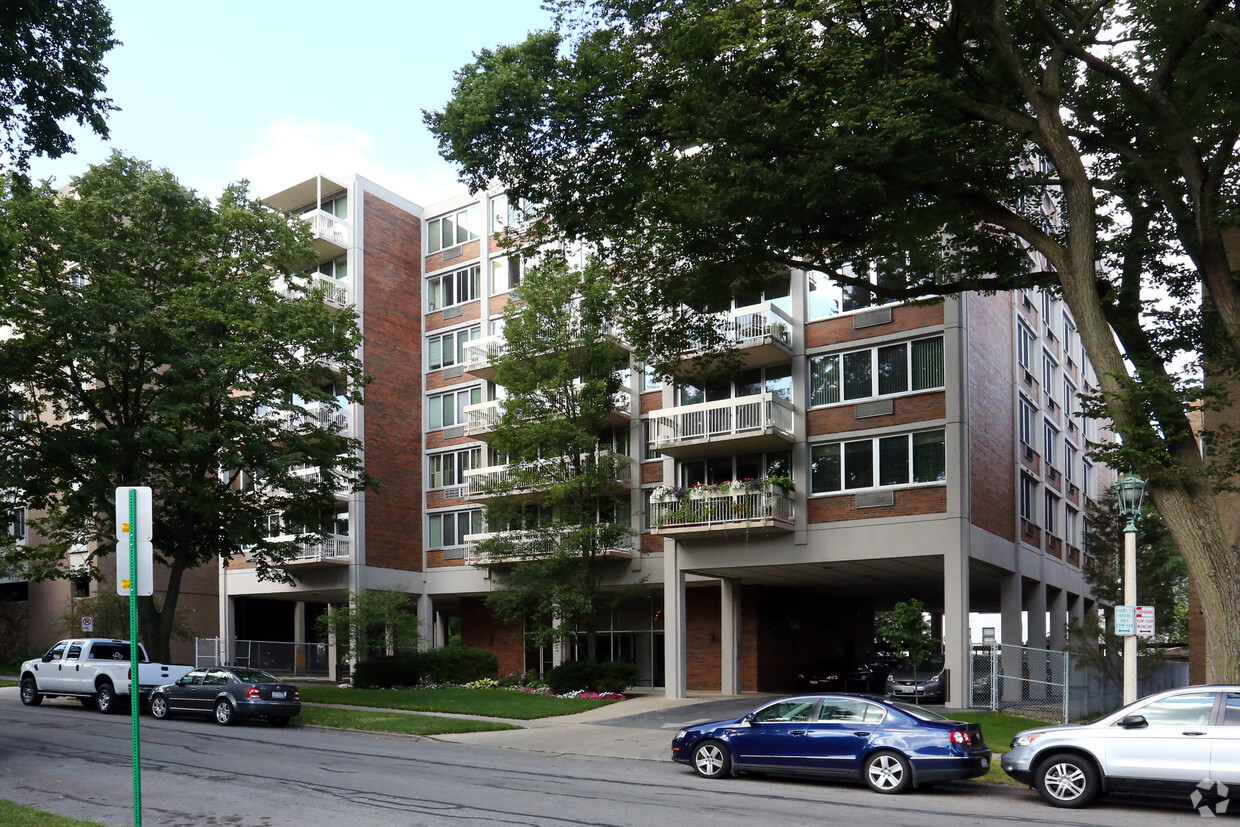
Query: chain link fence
x=283, y=658
x=1022, y=680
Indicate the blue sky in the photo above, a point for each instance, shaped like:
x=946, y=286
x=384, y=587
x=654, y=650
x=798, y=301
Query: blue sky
x=275, y=91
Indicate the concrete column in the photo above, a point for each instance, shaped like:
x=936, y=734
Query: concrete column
x=299, y=621
x=1035, y=605
x=729, y=639
x=557, y=648
x=333, y=651
x=228, y=618
x=954, y=627
x=675, y=650
x=441, y=631
x=1011, y=635
x=426, y=623
x=1058, y=605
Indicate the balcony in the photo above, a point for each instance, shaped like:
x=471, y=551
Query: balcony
x=495, y=481
x=741, y=425
x=330, y=234
x=481, y=354
x=314, y=414
x=724, y=513
x=536, y=540
x=482, y=419
x=328, y=551
x=336, y=293
x=761, y=334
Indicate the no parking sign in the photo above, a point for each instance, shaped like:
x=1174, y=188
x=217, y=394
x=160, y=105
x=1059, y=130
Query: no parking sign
x=88, y=625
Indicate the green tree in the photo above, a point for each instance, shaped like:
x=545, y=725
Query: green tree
x=156, y=340
x=1162, y=577
x=905, y=630
x=910, y=149
x=383, y=621
x=550, y=550
x=51, y=71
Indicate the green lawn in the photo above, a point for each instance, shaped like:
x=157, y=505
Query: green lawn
x=19, y=815
x=7, y=683
x=495, y=703
x=401, y=722
x=998, y=728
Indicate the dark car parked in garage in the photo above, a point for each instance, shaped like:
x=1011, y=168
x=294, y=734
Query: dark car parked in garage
x=842, y=675
x=890, y=746
x=228, y=693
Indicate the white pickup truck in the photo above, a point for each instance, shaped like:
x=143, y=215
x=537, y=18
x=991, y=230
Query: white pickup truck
x=93, y=670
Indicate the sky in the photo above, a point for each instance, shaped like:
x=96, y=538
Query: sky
x=275, y=91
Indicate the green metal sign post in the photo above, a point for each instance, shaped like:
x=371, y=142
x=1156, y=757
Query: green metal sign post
x=133, y=655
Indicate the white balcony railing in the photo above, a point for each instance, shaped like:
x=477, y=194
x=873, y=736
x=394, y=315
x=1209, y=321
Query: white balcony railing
x=627, y=547
x=722, y=510
x=482, y=353
x=495, y=480
x=484, y=417
x=327, y=548
x=337, y=293
x=328, y=227
x=314, y=414
x=765, y=413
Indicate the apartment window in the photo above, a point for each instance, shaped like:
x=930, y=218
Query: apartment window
x=449, y=348
x=902, y=459
x=450, y=230
x=499, y=214
x=453, y=288
x=652, y=380
x=1087, y=472
x=337, y=205
x=823, y=296
x=450, y=529
x=448, y=409
x=1026, y=417
x=1024, y=345
x=776, y=380
x=449, y=468
x=648, y=433
x=876, y=371
x=1069, y=335
x=1050, y=369
x=1049, y=304
x=739, y=467
x=336, y=269
x=1028, y=493
x=1052, y=513
x=17, y=523
x=1071, y=518
x=505, y=273
x=1050, y=441
x=1069, y=398
x=1069, y=461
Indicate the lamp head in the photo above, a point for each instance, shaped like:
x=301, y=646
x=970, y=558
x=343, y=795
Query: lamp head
x=1130, y=489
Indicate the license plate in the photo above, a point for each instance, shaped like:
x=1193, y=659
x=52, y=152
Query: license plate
x=985, y=762
x=278, y=695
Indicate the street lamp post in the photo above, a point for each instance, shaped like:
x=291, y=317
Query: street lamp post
x=1131, y=490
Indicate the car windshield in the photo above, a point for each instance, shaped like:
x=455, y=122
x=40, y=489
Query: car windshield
x=254, y=676
x=920, y=713
x=928, y=665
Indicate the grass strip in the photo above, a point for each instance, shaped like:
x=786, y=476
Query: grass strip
x=399, y=722
x=494, y=703
x=13, y=814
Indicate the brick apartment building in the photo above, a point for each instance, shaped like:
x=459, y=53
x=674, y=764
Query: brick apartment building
x=936, y=451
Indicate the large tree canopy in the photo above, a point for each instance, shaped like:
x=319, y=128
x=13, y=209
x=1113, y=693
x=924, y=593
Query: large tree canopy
x=150, y=337
x=51, y=71
x=1089, y=148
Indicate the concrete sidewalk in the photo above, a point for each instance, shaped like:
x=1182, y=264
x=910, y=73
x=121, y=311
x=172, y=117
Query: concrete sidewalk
x=640, y=728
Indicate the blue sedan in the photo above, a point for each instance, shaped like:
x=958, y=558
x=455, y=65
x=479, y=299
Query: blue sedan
x=889, y=745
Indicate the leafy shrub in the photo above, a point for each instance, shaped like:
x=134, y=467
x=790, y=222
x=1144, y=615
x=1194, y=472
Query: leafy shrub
x=614, y=676
x=386, y=671
x=575, y=676
x=571, y=676
x=458, y=664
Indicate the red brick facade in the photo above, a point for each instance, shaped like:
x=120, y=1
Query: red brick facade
x=392, y=320
x=991, y=360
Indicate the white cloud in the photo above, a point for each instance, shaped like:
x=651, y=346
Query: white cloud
x=290, y=150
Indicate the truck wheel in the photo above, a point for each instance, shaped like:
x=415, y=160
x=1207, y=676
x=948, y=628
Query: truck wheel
x=224, y=712
x=105, y=698
x=30, y=692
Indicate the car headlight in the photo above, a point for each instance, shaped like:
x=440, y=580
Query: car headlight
x=935, y=679
x=681, y=734
x=1024, y=739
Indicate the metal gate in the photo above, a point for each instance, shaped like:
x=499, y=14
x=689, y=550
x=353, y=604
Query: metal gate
x=1021, y=679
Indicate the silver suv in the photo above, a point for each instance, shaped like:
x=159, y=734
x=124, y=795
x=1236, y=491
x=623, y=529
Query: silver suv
x=1183, y=741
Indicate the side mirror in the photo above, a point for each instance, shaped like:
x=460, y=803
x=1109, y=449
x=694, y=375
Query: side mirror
x=47, y=658
x=1133, y=722
x=748, y=719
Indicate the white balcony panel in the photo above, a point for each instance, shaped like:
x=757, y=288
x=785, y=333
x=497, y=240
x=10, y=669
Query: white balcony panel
x=625, y=550
x=330, y=234
x=752, y=512
x=493, y=481
x=761, y=335
x=481, y=355
x=743, y=424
